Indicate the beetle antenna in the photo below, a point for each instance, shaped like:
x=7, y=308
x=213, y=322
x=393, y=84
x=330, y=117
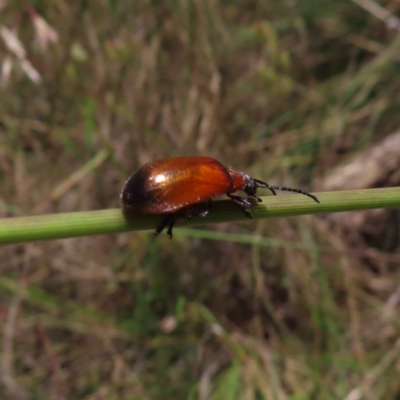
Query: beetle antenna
x=273, y=188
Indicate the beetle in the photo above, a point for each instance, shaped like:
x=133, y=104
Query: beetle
x=182, y=188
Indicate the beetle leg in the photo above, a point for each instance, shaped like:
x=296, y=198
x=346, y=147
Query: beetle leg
x=195, y=210
x=169, y=221
x=256, y=197
x=170, y=226
x=201, y=209
x=243, y=203
x=189, y=212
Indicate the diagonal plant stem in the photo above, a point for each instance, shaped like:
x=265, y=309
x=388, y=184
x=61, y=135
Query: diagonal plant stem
x=65, y=225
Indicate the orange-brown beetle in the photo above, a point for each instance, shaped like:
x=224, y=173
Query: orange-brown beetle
x=182, y=188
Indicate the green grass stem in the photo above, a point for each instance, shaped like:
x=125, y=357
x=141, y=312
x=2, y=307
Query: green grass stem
x=66, y=225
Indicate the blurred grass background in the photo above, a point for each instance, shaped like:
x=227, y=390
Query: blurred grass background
x=288, y=91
